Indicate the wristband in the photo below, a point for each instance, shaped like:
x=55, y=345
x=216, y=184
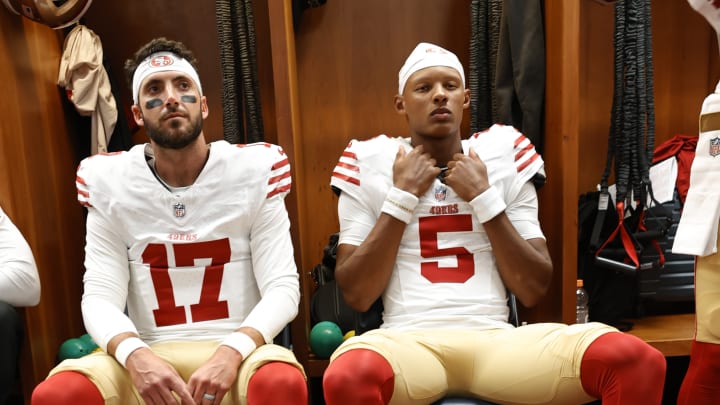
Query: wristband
x=126, y=347
x=488, y=204
x=400, y=204
x=240, y=342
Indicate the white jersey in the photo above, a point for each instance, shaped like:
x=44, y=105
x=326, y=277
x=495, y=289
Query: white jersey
x=195, y=264
x=445, y=274
x=19, y=279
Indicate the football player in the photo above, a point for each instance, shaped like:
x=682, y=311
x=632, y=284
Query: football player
x=189, y=264
x=440, y=228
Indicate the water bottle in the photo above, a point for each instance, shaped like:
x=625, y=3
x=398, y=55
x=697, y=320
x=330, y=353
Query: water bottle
x=581, y=309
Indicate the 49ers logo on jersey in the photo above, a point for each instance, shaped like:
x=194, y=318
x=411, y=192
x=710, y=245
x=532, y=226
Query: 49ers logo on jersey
x=161, y=60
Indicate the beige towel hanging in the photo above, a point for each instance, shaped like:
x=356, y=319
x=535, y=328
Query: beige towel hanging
x=83, y=74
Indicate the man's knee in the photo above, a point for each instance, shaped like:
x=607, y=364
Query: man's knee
x=278, y=374
x=628, y=354
x=645, y=356
x=277, y=383
x=66, y=387
x=356, y=368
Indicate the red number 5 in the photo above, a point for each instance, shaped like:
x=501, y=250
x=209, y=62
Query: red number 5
x=210, y=307
x=429, y=229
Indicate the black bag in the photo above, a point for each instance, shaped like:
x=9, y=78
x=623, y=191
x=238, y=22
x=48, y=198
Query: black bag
x=613, y=293
x=327, y=303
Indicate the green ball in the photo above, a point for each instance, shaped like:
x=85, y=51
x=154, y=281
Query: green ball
x=89, y=342
x=73, y=348
x=325, y=337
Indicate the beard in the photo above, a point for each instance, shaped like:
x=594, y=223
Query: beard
x=176, y=137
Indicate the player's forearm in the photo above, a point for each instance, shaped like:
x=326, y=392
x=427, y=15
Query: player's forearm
x=277, y=308
x=362, y=272
x=524, y=265
x=103, y=320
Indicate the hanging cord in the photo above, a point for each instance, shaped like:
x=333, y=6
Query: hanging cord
x=478, y=80
x=248, y=69
x=663, y=222
x=615, y=123
x=232, y=110
x=485, y=16
x=242, y=118
x=630, y=144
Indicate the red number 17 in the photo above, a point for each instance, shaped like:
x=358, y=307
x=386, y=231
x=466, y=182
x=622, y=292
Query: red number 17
x=210, y=307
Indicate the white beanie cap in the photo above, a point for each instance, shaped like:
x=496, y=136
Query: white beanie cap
x=426, y=55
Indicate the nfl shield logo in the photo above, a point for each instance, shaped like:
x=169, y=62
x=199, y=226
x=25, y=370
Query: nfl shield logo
x=715, y=146
x=179, y=209
x=440, y=193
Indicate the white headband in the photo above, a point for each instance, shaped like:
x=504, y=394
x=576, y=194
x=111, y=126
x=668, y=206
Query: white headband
x=426, y=55
x=162, y=62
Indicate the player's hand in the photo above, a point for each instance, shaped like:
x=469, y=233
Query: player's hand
x=467, y=175
x=157, y=382
x=216, y=376
x=414, y=171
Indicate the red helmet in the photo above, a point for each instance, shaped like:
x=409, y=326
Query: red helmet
x=47, y=12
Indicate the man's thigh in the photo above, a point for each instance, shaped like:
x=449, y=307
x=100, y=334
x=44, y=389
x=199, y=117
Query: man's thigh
x=187, y=357
x=115, y=384
x=538, y=363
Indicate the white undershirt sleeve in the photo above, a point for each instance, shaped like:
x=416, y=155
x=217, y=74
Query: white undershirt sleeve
x=105, y=282
x=19, y=279
x=275, y=270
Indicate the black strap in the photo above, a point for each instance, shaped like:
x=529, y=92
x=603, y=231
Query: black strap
x=631, y=135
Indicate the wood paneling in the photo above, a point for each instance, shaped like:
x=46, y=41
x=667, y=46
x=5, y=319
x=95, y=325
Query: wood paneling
x=287, y=114
x=38, y=158
x=558, y=198
x=671, y=334
x=686, y=70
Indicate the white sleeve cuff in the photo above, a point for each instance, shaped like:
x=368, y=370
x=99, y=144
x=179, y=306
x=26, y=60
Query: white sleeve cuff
x=126, y=347
x=488, y=204
x=400, y=204
x=240, y=342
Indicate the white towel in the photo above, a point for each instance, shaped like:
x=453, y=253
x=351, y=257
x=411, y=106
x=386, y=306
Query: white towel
x=697, y=230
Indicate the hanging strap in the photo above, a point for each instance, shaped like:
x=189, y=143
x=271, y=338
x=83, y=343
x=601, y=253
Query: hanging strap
x=630, y=143
x=627, y=242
